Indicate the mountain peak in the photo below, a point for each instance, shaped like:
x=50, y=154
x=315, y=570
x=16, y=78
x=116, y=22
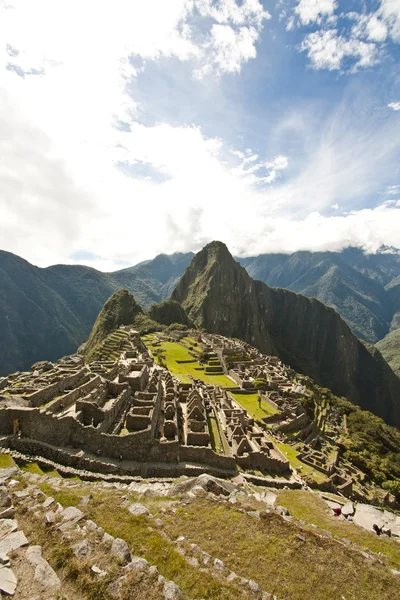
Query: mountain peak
x=120, y=309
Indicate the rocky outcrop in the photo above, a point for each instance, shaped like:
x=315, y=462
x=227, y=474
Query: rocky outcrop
x=219, y=295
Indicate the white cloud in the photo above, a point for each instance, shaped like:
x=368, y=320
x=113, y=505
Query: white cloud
x=328, y=50
x=394, y=106
x=64, y=187
x=368, y=229
x=389, y=11
x=315, y=11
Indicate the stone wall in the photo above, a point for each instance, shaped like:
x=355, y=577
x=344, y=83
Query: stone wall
x=45, y=394
x=73, y=395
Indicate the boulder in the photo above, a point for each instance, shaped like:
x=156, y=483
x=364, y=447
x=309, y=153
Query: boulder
x=120, y=549
x=8, y=580
x=172, y=591
x=137, y=564
x=72, y=513
x=13, y=541
x=44, y=573
x=82, y=549
x=138, y=510
x=348, y=509
x=367, y=516
x=208, y=483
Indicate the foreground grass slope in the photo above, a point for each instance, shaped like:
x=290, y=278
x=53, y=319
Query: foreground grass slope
x=308, y=555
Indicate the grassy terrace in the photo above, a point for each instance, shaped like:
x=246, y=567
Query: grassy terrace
x=291, y=455
x=175, y=351
x=250, y=403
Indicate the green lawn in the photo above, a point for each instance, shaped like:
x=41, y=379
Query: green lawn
x=6, y=461
x=250, y=403
x=291, y=455
x=175, y=351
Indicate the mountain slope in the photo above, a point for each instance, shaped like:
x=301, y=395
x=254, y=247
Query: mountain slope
x=120, y=309
x=389, y=347
x=361, y=301
x=218, y=294
x=47, y=313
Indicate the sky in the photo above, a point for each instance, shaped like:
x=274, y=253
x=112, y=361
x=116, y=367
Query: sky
x=129, y=128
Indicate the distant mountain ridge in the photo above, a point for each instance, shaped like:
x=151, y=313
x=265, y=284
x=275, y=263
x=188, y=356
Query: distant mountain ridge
x=219, y=295
x=47, y=313
x=357, y=285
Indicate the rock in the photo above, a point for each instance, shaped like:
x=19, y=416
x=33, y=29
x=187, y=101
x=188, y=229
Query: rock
x=114, y=588
x=387, y=531
x=366, y=516
x=50, y=517
x=269, y=498
x=281, y=510
x=48, y=502
x=98, y=571
x=137, y=564
x=333, y=505
x=44, y=573
x=107, y=539
x=4, y=560
x=231, y=577
x=34, y=555
x=82, y=549
x=8, y=580
x=12, y=542
x=172, y=591
x=120, y=549
x=254, y=586
x=7, y=513
x=71, y=513
x=5, y=498
x=85, y=500
x=395, y=572
x=7, y=526
x=348, y=509
x=153, y=571
x=255, y=514
x=9, y=472
x=207, y=483
x=218, y=564
x=300, y=537
x=91, y=526
x=138, y=510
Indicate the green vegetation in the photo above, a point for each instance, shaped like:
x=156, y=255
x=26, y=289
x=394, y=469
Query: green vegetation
x=6, y=461
x=174, y=351
x=120, y=309
x=169, y=312
x=390, y=350
x=305, y=470
x=367, y=442
x=144, y=324
x=250, y=403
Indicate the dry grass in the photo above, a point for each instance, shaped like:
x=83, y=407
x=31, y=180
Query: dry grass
x=270, y=552
x=312, y=509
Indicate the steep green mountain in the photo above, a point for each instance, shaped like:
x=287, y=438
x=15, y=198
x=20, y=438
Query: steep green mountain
x=120, y=309
x=357, y=293
x=47, y=313
x=219, y=295
x=168, y=312
x=389, y=347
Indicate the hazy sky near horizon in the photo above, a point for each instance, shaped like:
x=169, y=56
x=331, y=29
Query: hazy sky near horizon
x=134, y=127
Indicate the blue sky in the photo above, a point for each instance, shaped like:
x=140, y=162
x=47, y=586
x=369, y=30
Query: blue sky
x=133, y=128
